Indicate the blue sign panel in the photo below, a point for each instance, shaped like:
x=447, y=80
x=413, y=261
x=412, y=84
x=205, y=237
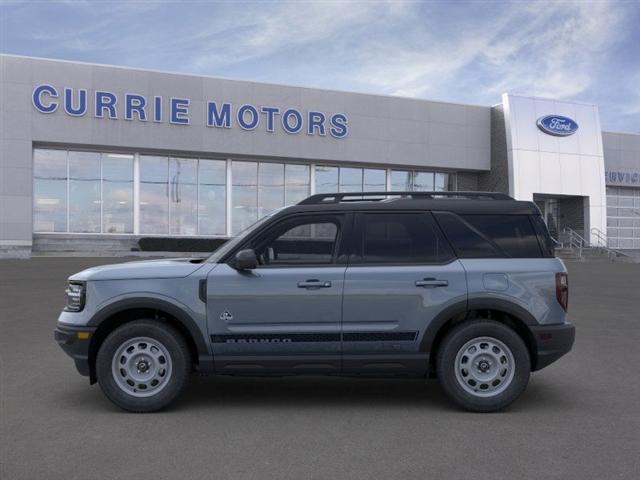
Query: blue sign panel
x=557, y=125
x=136, y=107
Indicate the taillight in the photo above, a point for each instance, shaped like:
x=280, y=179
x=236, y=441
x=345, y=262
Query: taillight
x=562, y=290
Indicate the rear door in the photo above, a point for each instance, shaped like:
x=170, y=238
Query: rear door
x=284, y=316
x=401, y=275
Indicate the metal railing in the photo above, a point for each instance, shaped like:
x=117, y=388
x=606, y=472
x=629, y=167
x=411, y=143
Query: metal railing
x=602, y=244
x=576, y=242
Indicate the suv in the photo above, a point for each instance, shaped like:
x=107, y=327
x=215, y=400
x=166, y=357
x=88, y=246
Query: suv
x=463, y=286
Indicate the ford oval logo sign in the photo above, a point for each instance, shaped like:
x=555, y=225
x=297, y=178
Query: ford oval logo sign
x=557, y=125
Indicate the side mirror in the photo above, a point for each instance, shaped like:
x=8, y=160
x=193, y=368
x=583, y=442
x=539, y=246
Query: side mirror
x=246, y=260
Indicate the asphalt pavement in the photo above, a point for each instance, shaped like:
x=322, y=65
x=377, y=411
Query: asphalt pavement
x=578, y=419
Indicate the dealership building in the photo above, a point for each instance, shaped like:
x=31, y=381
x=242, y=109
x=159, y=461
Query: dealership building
x=99, y=157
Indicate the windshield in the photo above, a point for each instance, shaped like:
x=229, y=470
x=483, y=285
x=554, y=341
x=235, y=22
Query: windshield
x=237, y=240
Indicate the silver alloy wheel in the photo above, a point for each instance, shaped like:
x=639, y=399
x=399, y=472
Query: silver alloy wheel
x=141, y=367
x=484, y=367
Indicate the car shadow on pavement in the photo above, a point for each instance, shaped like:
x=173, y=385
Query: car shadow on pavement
x=220, y=392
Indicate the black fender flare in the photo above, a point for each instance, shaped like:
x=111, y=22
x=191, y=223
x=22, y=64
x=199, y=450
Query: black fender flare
x=464, y=306
x=179, y=313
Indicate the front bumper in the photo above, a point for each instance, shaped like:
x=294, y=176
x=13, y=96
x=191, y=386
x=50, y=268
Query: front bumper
x=75, y=342
x=552, y=342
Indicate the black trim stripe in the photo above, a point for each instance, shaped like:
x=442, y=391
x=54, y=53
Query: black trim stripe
x=316, y=337
x=379, y=336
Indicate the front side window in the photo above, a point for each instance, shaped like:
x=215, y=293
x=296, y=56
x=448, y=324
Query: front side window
x=401, y=238
x=301, y=241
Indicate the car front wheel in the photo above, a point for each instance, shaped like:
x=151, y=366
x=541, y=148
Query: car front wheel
x=143, y=365
x=483, y=365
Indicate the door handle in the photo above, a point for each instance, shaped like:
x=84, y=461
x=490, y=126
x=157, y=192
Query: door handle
x=431, y=283
x=314, y=284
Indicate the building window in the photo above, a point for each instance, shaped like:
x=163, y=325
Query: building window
x=85, y=202
x=326, y=179
x=350, y=180
x=212, y=197
x=374, y=180
x=423, y=182
x=117, y=193
x=401, y=181
x=297, y=182
x=183, y=196
x=99, y=188
x=270, y=188
x=154, y=195
x=244, y=195
x=93, y=192
x=50, y=190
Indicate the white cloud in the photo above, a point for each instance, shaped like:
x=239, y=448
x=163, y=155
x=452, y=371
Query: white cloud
x=545, y=49
x=258, y=32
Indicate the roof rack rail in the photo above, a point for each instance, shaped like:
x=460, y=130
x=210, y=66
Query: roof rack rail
x=321, y=198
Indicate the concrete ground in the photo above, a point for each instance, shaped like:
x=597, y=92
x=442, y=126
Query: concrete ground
x=579, y=418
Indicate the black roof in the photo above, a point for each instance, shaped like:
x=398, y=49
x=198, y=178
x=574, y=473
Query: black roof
x=457, y=202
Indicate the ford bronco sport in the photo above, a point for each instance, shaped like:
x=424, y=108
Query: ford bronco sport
x=463, y=286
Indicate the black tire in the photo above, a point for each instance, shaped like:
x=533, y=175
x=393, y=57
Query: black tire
x=176, y=348
x=446, y=367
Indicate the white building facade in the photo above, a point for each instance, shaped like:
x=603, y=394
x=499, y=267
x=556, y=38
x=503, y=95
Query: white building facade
x=94, y=155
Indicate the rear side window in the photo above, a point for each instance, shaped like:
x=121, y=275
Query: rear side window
x=547, y=243
x=487, y=236
x=407, y=238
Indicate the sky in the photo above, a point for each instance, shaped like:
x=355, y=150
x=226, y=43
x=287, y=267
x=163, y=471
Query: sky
x=456, y=51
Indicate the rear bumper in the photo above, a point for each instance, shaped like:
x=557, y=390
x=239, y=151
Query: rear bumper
x=552, y=342
x=75, y=343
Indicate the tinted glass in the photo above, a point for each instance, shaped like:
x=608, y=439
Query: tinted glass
x=402, y=238
x=544, y=239
x=301, y=242
x=483, y=236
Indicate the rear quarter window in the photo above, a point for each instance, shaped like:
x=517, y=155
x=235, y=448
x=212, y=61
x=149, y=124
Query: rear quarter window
x=491, y=236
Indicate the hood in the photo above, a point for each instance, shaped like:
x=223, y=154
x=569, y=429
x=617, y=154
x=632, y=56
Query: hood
x=166, y=268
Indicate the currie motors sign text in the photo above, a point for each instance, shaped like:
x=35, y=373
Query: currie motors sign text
x=557, y=125
x=74, y=102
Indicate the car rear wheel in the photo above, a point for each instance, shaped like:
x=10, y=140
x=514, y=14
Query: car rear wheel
x=143, y=365
x=483, y=365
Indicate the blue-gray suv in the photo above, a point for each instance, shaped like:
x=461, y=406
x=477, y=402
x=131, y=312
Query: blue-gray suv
x=462, y=286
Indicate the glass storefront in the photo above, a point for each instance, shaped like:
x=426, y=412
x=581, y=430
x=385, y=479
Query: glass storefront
x=114, y=193
x=623, y=217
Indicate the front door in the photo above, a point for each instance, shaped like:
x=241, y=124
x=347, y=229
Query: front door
x=403, y=273
x=284, y=316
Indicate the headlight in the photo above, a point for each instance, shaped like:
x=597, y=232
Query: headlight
x=75, y=296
